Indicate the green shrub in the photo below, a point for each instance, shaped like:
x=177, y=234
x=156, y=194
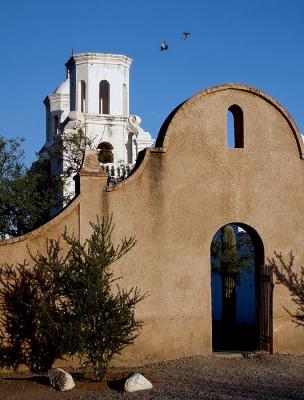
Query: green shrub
x=103, y=314
x=72, y=304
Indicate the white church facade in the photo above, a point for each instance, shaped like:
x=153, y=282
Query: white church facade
x=94, y=97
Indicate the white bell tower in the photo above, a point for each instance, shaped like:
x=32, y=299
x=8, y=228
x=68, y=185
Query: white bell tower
x=99, y=89
x=95, y=97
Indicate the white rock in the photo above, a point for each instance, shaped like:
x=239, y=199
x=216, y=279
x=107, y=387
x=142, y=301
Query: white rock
x=60, y=379
x=137, y=382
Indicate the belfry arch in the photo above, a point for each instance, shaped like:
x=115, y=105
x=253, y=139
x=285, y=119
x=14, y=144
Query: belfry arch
x=105, y=153
x=104, y=97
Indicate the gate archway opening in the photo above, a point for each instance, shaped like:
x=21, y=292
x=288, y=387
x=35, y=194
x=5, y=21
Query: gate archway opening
x=241, y=290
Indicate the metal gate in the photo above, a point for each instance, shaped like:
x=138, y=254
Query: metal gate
x=265, y=288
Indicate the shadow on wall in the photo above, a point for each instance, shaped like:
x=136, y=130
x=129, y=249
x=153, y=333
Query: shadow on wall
x=27, y=304
x=293, y=281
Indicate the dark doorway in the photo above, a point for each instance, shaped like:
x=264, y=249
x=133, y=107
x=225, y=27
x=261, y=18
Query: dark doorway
x=241, y=288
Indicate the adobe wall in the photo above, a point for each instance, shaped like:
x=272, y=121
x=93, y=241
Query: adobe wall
x=182, y=192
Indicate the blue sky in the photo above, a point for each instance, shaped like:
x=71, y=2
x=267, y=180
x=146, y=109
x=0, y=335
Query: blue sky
x=254, y=42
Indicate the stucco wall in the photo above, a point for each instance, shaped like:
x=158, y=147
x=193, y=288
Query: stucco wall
x=182, y=192
x=179, y=198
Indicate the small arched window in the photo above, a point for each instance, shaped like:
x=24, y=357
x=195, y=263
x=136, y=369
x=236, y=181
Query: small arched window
x=82, y=96
x=235, y=127
x=104, y=97
x=125, y=99
x=105, y=154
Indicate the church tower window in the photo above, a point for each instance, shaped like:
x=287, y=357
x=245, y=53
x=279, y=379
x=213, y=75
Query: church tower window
x=82, y=96
x=104, y=97
x=235, y=127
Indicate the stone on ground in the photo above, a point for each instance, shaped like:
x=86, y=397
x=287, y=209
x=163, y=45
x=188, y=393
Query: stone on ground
x=60, y=379
x=137, y=382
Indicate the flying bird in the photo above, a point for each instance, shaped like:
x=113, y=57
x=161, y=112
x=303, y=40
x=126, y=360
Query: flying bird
x=186, y=34
x=164, y=46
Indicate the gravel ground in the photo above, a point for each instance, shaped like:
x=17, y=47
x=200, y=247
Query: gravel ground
x=232, y=377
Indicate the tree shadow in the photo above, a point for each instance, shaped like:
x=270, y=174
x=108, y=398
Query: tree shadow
x=41, y=380
x=288, y=275
x=31, y=323
x=79, y=376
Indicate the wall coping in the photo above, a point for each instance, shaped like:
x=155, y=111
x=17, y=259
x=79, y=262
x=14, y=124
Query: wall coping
x=139, y=167
x=56, y=220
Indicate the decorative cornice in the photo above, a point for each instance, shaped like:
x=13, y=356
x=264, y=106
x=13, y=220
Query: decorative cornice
x=108, y=119
x=98, y=58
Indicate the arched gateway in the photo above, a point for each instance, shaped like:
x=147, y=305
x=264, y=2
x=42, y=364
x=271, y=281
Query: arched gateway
x=241, y=290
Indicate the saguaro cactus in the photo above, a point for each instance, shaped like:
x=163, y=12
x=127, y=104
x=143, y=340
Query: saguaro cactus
x=229, y=272
x=229, y=260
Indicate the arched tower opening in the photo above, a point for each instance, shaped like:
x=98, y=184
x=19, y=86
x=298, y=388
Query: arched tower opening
x=105, y=153
x=104, y=97
x=82, y=96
